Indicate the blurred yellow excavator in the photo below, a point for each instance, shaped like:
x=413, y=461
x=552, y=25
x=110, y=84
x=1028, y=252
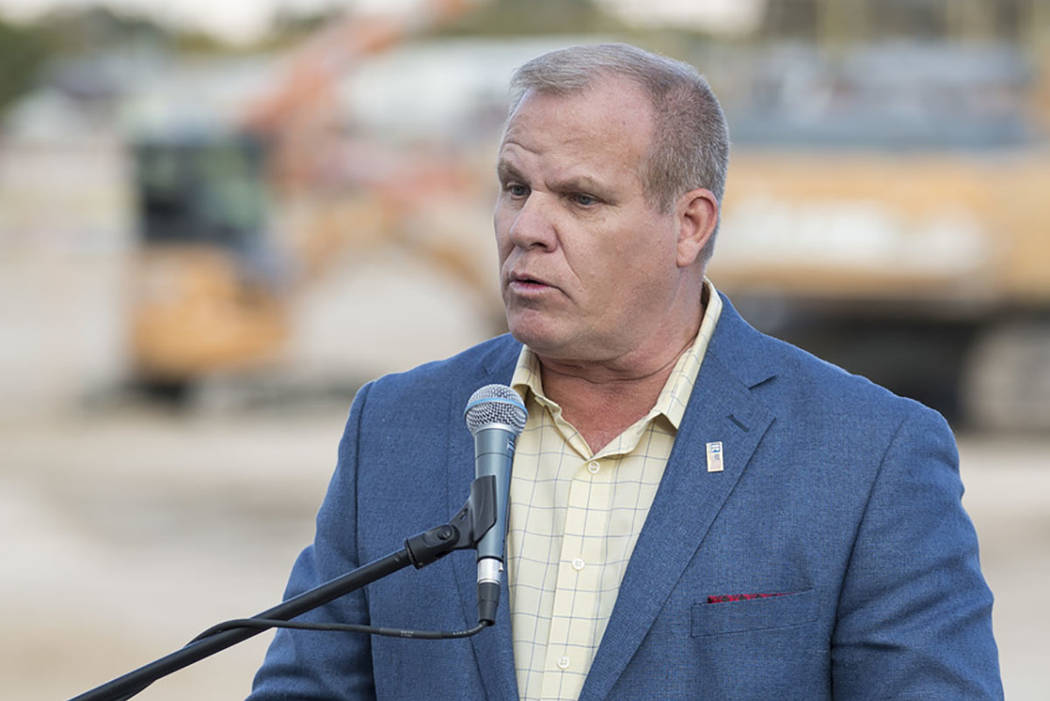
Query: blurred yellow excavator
x=888, y=211
x=211, y=282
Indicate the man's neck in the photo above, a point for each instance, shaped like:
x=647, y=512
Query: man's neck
x=601, y=400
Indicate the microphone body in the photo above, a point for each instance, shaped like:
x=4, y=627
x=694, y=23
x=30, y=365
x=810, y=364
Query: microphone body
x=495, y=416
x=494, y=455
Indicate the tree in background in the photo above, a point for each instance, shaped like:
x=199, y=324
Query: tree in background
x=23, y=54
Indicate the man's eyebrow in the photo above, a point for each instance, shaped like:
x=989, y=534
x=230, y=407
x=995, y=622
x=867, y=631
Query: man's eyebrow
x=578, y=183
x=506, y=171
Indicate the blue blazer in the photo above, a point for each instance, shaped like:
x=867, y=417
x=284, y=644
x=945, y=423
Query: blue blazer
x=836, y=495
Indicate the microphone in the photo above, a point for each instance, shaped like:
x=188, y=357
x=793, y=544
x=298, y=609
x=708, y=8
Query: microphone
x=495, y=416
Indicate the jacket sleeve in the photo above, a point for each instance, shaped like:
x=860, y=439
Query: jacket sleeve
x=914, y=615
x=311, y=665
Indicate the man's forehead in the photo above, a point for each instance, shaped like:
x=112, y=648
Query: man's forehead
x=611, y=106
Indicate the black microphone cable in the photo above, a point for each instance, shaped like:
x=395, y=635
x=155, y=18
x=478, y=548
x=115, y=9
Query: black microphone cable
x=264, y=623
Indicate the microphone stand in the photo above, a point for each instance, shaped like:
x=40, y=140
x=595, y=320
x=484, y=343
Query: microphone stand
x=464, y=531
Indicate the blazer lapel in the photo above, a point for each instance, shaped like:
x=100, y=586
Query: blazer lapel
x=493, y=648
x=721, y=408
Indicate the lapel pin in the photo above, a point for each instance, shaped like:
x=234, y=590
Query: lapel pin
x=714, y=456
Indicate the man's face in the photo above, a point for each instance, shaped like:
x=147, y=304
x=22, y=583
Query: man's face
x=587, y=266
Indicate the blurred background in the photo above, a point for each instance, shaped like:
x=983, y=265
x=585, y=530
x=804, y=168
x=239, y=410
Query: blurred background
x=217, y=220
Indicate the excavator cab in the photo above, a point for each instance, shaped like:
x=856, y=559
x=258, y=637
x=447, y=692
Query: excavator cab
x=206, y=279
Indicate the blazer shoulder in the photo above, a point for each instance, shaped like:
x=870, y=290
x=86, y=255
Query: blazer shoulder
x=791, y=380
x=488, y=362
x=416, y=409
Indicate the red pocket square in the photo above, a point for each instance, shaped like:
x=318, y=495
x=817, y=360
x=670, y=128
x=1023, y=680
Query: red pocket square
x=719, y=598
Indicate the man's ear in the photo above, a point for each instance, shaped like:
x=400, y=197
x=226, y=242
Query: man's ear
x=697, y=213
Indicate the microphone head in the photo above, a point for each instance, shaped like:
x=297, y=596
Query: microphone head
x=495, y=404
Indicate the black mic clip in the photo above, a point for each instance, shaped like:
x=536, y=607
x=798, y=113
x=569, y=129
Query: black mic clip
x=465, y=529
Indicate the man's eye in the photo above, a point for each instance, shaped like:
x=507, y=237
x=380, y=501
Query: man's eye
x=516, y=190
x=584, y=200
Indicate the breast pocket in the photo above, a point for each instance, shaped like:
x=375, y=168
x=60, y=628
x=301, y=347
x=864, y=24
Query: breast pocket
x=753, y=614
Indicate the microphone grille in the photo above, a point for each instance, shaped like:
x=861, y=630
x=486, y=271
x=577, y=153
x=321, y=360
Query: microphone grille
x=495, y=404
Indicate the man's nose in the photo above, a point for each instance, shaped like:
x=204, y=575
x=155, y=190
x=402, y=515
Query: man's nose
x=534, y=224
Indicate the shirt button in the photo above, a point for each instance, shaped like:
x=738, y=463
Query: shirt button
x=593, y=468
x=578, y=564
x=563, y=662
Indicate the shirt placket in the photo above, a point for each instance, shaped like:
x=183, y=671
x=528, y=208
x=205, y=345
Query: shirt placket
x=571, y=643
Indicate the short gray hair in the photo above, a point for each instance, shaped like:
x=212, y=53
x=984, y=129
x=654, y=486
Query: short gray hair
x=690, y=140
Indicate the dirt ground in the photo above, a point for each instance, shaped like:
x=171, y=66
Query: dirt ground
x=126, y=532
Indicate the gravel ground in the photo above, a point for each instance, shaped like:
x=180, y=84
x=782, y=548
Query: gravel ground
x=128, y=532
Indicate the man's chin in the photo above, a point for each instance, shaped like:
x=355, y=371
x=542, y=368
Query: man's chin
x=542, y=338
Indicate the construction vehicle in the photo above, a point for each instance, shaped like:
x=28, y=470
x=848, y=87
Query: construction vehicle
x=884, y=210
x=203, y=296
x=901, y=233
x=214, y=275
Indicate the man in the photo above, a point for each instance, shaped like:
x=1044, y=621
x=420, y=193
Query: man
x=697, y=510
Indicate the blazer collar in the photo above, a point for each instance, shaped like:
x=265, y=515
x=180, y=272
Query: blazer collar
x=722, y=409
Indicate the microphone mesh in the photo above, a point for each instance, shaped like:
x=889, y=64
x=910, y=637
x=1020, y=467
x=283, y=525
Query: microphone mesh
x=495, y=404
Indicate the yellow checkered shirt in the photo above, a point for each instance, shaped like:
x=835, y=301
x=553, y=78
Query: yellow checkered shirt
x=575, y=517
